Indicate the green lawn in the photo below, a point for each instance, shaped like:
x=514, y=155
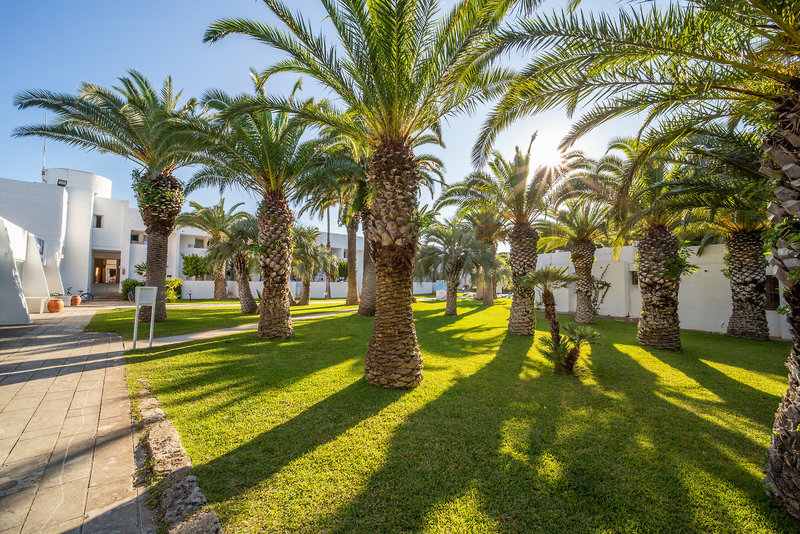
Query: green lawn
x=190, y=320
x=229, y=302
x=288, y=437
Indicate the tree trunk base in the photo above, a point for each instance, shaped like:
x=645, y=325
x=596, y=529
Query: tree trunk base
x=749, y=324
x=522, y=321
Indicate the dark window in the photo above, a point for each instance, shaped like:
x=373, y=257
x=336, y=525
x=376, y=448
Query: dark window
x=134, y=237
x=634, y=278
x=98, y=221
x=773, y=293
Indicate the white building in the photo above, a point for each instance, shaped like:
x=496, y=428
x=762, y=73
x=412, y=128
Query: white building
x=81, y=239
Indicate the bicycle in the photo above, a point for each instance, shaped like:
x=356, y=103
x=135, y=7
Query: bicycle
x=85, y=295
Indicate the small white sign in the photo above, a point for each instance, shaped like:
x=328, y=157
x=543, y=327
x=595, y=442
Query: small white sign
x=144, y=296
x=441, y=290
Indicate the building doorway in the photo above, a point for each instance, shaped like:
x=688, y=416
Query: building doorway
x=105, y=273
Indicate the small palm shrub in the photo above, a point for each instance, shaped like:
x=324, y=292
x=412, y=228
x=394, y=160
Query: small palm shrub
x=577, y=337
x=174, y=289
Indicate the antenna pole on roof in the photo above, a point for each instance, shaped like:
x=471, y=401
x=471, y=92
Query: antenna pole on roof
x=44, y=148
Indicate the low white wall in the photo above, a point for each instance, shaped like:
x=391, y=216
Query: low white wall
x=704, y=298
x=204, y=289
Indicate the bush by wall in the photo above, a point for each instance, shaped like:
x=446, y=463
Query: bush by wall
x=128, y=285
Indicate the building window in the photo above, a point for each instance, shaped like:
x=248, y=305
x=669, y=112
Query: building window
x=345, y=253
x=773, y=293
x=134, y=237
x=634, y=278
x=98, y=221
x=199, y=243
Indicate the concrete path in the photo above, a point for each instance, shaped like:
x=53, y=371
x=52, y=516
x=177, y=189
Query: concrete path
x=66, y=442
x=207, y=334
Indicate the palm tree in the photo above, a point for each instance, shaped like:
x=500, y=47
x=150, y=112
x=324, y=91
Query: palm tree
x=139, y=123
x=448, y=248
x=264, y=153
x=519, y=198
x=687, y=64
x=240, y=241
x=309, y=258
x=489, y=228
x=548, y=279
x=216, y=221
x=640, y=211
x=398, y=70
x=576, y=228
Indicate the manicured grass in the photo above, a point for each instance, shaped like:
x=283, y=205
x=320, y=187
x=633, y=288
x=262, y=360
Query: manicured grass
x=230, y=302
x=190, y=320
x=288, y=437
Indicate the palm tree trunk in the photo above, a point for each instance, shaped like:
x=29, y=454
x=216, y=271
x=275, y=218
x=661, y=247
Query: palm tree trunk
x=524, y=240
x=549, y=303
x=783, y=147
x=275, y=258
x=393, y=357
x=659, y=326
x=366, y=306
x=583, y=260
x=220, y=291
x=479, y=289
x=451, y=300
x=490, y=289
x=159, y=207
x=156, y=274
x=328, y=273
x=241, y=266
x=746, y=269
x=352, y=261
x=305, y=295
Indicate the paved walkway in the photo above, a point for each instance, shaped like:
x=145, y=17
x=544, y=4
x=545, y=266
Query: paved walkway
x=66, y=442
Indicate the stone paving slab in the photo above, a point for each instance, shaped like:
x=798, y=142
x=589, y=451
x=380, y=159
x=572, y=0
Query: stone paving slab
x=66, y=441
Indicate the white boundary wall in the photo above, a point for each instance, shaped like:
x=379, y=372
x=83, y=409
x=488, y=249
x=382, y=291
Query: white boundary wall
x=704, y=298
x=204, y=289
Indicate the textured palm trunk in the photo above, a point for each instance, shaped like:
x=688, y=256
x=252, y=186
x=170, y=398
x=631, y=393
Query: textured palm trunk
x=366, y=306
x=524, y=240
x=241, y=266
x=747, y=271
x=393, y=357
x=479, y=285
x=159, y=207
x=305, y=295
x=549, y=303
x=352, y=261
x=156, y=274
x=659, y=326
x=583, y=260
x=451, y=299
x=220, y=291
x=783, y=147
x=328, y=273
x=275, y=258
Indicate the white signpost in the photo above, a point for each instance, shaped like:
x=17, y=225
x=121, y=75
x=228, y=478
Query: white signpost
x=145, y=296
x=441, y=290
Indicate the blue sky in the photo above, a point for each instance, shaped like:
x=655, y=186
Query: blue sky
x=56, y=45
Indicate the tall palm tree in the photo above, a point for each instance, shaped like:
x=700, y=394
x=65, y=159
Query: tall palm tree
x=688, y=63
x=309, y=258
x=140, y=123
x=216, y=221
x=447, y=249
x=398, y=69
x=519, y=197
x=240, y=241
x=264, y=153
x=490, y=229
x=576, y=227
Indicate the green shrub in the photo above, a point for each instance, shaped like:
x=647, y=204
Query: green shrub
x=128, y=285
x=194, y=265
x=174, y=289
x=342, y=270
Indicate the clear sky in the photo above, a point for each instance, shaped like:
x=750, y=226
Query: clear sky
x=56, y=45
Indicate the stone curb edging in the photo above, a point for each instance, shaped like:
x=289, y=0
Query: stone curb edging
x=181, y=502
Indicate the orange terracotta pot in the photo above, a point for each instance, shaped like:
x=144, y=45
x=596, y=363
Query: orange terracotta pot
x=55, y=305
x=75, y=300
